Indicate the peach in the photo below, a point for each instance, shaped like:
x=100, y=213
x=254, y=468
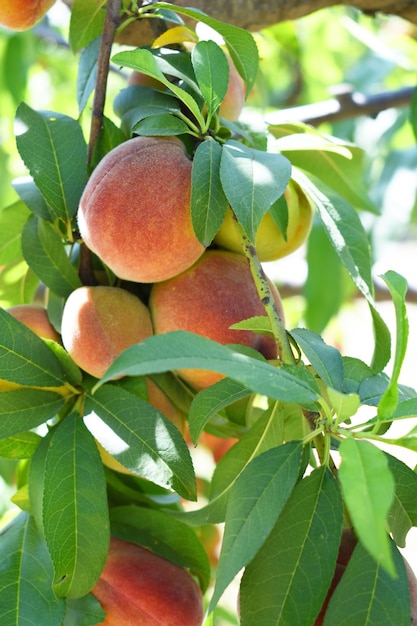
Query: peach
x=232, y=104
x=139, y=587
x=23, y=14
x=270, y=243
x=216, y=292
x=135, y=210
x=36, y=318
x=98, y=323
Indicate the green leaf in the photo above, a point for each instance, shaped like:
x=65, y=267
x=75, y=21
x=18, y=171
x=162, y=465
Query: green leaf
x=24, y=357
x=20, y=446
x=349, y=239
x=53, y=149
x=212, y=400
x=288, y=579
x=85, y=611
x=268, y=478
x=252, y=181
x=355, y=372
x=26, y=408
x=87, y=21
x=240, y=43
x=337, y=163
x=182, y=349
x=143, y=60
x=163, y=534
x=160, y=125
x=212, y=73
x=325, y=359
x=324, y=268
x=143, y=101
x=368, y=490
x=345, y=405
x=403, y=513
x=75, y=512
x=12, y=220
x=32, y=197
x=208, y=202
x=45, y=253
x=26, y=576
x=87, y=73
x=367, y=594
x=143, y=439
x=398, y=289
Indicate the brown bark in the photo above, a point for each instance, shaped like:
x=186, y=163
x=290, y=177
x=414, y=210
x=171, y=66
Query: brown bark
x=257, y=14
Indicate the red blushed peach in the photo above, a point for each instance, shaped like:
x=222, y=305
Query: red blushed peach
x=138, y=587
x=22, y=14
x=135, y=210
x=36, y=318
x=232, y=104
x=98, y=323
x=216, y=292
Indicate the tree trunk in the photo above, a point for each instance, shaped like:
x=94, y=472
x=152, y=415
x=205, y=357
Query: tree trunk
x=257, y=14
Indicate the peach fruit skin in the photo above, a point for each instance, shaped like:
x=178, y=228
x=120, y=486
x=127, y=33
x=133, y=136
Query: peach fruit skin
x=140, y=587
x=22, y=14
x=135, y=210
x=206, y=299
x=232, y=104
x=36, y=318
x=270, y=243
x=98, y=323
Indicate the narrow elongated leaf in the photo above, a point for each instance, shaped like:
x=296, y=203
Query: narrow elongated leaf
x=87, y=21
x=75, y=516
x=398, y=289
x=212, y=73
x=26, y=575
x=240, y=43
x=45, y=253
x=53, y=149
x=25, y=408
x=181, y=349
x=212, y=400
x=12, y=220
x=164, y=535
x=368, y=595
x=349, y=239
x=368, y=490
x=24, y=357
x=208, y=201
x=252, y=181
x=256, y=501
x=403, y=512
x=87, y=73
x=32, y=197
x=146, y=441
x=288, y=579
x=326, y=360
x=143, y=60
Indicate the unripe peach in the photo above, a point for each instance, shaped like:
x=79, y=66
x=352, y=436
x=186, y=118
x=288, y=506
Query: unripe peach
x=22, y=14
x=36, y=318
x=98, y=323
x=140, y=587
x=216, y=292
x=270, y=243
x=135, y=210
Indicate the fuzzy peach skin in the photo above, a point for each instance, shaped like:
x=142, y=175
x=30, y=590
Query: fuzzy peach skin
x=138, y=587
x=98, y=323
x=232, y=104
x=216, y=292
x=135, y=210
x=36, y=318
x=270, y=243
x=22, y=14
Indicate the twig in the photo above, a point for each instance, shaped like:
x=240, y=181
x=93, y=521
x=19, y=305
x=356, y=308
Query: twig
x=103, y=63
